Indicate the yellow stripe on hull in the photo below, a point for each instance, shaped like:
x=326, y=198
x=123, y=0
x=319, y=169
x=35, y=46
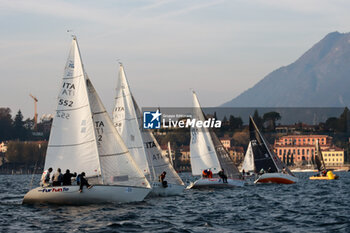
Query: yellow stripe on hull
x=322, y=178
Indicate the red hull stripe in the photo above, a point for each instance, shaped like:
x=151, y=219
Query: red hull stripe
x=276, y=180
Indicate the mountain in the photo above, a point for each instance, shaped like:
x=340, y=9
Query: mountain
x=319, y=78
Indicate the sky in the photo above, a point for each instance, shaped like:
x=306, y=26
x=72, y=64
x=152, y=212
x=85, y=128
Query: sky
x=220, y=48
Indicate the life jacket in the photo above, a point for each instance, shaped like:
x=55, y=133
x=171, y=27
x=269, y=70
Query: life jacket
x=210, y=175
x=205, y=173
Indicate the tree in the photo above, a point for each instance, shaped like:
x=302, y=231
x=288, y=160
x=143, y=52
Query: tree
x=271, y=118
x=6, y=129
x=343, y=120
x=18, y=126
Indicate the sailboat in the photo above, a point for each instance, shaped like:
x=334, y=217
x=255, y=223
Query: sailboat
x=83, y=139
x=321, y=166
x=207, y=153
x=144, y=147
x=260, y=158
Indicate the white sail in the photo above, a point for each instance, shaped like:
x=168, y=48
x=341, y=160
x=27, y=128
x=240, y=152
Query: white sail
x=72, y=143
x=127, y=120
x=203, y=154
x=127, y=123
x=117, y=165
x=248, y=163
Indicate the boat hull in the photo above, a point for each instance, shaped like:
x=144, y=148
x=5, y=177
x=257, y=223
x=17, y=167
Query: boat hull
x=171, y=190
x=216, y=183
x=323, y=178
x=70, y=195
x=277, y=178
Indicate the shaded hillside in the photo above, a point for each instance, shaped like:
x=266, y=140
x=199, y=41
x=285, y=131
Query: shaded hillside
x=319, y=78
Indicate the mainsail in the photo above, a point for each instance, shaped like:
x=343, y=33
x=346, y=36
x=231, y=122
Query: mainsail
x=202, y=149
x=127, y=119
x=83, y=137
x=264, y=158
x=319, y=158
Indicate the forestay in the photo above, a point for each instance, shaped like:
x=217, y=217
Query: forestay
x=203, y=154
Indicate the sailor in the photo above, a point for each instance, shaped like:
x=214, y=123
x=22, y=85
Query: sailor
x=161, y=179
x=45, y=178
x=83, y=182
x=57, y=178
x=67, y=177
x=284, y=170
x=269, y=170
x=223, y=176
x=262, y=171
x=205, y=173
x=243, y=172
x=210, y=174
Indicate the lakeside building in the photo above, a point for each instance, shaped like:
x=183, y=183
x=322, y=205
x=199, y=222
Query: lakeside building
x=302, y=148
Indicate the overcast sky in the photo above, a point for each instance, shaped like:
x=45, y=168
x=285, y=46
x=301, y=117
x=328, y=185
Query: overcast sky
x=219, y=48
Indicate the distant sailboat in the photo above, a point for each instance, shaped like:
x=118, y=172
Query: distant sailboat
x=83, y=139
x=144, y=147
x=324, y=174
x=265, y=160
x=207, y=152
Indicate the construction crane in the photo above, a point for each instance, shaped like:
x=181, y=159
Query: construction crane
x=35, y=111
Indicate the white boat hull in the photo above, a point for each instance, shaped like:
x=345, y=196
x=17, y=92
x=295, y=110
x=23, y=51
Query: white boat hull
x=171, y=190
x=70, y=195
x=277, y=178
x=216, y=183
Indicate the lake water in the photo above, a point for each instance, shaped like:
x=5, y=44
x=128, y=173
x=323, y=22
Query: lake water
x=308, y=206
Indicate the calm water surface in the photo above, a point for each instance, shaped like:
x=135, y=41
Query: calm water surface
x=308, y=206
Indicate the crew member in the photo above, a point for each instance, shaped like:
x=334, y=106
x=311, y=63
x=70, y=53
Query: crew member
x=83, y=182
x=45, y=178
x=57, y=178
x=223, y=176
x=205, y=173
x=161, y=179
x=210, y=174
x=67, y=177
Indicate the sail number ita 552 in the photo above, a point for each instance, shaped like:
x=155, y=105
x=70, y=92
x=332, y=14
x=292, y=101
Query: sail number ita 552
x=63, y=102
